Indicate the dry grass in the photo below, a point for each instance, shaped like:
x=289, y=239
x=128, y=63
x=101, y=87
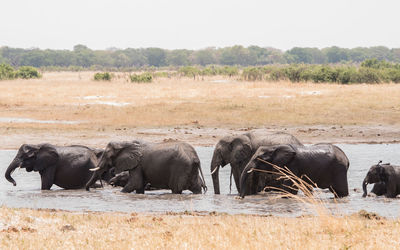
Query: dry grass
x=171, y=102
x=45, y=229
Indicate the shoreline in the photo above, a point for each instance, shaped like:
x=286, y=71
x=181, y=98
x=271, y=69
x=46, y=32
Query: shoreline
x=14, y=137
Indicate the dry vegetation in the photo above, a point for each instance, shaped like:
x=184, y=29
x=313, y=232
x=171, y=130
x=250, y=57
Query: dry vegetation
x=170, y=102
x=46, y=229
x=178, y=102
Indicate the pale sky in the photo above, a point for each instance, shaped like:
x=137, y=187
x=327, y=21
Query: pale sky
x=178, y=24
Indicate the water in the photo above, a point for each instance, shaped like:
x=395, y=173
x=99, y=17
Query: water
x=27, y=193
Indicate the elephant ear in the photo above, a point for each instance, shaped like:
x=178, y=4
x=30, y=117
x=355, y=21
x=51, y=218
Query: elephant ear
x=46, y=156
x=283, y=155
x=29, y=150
x=241, y=149
x=128, y=159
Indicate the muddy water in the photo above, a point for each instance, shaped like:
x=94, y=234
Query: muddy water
x=27, y=193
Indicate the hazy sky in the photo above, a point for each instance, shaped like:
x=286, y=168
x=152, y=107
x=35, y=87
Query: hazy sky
x=171, y=24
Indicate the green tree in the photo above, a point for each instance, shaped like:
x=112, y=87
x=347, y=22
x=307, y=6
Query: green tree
x=156, y=57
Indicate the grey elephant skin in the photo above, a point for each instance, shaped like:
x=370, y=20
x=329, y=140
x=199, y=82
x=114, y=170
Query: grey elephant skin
x=167, y=165
x=325, y=165
x=67, y=167
x=386, y=178
x=238, y=150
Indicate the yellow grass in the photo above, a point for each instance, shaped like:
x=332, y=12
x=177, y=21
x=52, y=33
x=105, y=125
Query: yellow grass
x=46, y=229
x=184, y=101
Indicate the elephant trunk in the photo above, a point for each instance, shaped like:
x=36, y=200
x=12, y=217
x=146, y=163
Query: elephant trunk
x=215, y=164
x=243, y=178
x=97, y=173
x=14, y=164
x=364, y=186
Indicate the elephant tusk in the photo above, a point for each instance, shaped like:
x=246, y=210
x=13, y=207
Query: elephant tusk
x=251, y=170
x=215, y=169
x=94, y=169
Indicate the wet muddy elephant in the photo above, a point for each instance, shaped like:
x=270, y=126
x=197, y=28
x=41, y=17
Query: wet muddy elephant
x=67, y=167
x=386, y=178
x=167, y=165
x=238, y=150
x=325, y=165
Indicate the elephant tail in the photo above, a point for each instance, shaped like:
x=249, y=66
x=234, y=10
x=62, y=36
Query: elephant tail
x=203, y=184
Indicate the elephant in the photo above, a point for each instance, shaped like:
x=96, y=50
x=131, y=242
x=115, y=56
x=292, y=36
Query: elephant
x=386, y=178
x=120, y=179
x=325, y=165
x=165, y=165
x=238, y=150
x=67, y=167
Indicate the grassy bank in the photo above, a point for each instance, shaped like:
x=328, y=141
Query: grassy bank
x=38, y=229
x=211, y=102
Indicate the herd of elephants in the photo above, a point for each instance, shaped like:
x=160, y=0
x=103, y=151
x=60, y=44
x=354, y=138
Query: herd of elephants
x=138, y=166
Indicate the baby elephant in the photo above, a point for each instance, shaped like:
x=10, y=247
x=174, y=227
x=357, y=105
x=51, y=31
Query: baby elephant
x=386, y=178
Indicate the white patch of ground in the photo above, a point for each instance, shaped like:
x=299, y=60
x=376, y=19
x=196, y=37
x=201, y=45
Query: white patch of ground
x=29, y=120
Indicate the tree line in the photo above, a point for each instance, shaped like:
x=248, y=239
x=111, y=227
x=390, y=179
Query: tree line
x=82, y=57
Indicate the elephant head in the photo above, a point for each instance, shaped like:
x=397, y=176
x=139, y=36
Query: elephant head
x=233, y=150
x=377, y=173
x=280, y=155
x=122, y=156
x=32, y=158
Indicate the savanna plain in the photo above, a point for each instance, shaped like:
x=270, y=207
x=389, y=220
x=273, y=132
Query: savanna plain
x=70, y=108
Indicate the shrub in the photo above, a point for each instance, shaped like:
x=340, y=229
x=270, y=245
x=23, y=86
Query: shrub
x=324, y=74
x=27, y=72
x=347, y=75
x=229, y=71
x=277, y=74
x=393, y=75
x=105, y=76
x=189, y=71
x=252, y=74
x=369, y=75
x=161, y=74
x=6, y=72
x=142, y=78
x=296, y=73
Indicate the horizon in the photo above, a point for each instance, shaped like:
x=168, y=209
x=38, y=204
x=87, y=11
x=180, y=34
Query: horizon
x=178, y=24
x=111, y=48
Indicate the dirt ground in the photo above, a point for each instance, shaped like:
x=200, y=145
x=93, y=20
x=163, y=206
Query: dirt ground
x=197, y=136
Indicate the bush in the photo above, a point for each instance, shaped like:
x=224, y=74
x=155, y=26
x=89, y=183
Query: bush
x=324, y=74
x=393, y=75
x=142, y=78
x=6, y=72
x=189, y=71
x=27, y=72
x=369, y=75
x=296, y=73
x=102, y=76
x=252, y=74
x=277, y=74
x=160, y=74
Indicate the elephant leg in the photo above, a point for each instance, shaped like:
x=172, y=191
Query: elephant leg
x=195, y=187
x=379, y=188
x=47, y=177
x=390, y=189
x=236, y=176
x=340, y=186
